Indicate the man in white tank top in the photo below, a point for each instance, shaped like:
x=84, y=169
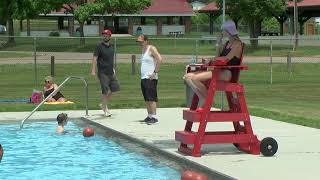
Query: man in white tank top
x=150, y=66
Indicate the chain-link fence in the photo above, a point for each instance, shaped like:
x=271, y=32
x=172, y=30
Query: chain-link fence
x=25, y=61
x=270, y=51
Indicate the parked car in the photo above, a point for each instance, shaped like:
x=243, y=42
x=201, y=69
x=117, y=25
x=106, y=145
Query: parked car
x=3, y=29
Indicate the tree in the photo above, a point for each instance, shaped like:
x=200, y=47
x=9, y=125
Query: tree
x=27, y=9
x=84, y=11
x=18, y=9
x=6, y=17
x=199, y=18
x=4, y=11
x=253, y=12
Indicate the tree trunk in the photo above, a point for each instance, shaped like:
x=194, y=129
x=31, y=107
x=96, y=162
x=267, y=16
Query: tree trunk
x=257, y=27
x=28, y=27
x=281, y=19
x=21, y=25
x=281, y=28
x=253, y=36
x=60, y=23
x=236, y=22
x=211, y=17
x=11, y=39
x=82, y=39
x=301, y=28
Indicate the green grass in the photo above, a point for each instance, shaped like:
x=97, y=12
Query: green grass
x=293, y=99
x=165, y=46
x=14, y=54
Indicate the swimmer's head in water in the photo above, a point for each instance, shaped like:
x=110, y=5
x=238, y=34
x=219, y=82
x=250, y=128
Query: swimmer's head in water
x=62, y=118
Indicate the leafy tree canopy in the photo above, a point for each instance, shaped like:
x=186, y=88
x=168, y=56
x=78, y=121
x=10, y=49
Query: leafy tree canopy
x=253, y=9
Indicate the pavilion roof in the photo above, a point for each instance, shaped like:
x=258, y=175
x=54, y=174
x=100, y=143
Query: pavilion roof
x=157, y=8
x=210, y=7
x=305, y=3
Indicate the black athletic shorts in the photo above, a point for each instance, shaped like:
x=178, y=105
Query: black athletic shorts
x=108, y=83
x=149, y=89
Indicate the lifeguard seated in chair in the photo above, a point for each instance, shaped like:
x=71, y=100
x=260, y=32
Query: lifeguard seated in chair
x=230, y=55
x=220, y=74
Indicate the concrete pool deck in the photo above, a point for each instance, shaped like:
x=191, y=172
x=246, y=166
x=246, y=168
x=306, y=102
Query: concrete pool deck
x=298, y=155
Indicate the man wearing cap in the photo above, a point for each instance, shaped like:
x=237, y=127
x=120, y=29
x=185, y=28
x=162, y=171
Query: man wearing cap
x=103, y=59
x=150, y=66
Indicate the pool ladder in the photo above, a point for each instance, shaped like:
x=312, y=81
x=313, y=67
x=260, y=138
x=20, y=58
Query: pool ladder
x=56, y=90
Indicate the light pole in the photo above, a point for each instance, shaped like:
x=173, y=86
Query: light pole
x=223, y=20
x=295, y=22
x=223, y=11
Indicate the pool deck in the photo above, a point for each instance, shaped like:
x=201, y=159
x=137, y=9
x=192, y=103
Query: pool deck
x=297, y=158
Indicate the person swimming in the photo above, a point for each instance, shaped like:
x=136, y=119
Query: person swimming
x=62, y=121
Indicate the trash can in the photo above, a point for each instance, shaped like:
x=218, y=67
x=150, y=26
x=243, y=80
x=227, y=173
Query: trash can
x=77, y=34
x=139, y=31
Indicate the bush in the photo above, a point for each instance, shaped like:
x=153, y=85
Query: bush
x=54, y=33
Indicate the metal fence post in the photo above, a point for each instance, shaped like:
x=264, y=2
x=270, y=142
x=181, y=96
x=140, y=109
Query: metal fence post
x=175, y=40
x=222, y=100
x=289, y=69
x=52, y=66
x=133, y=64
x=35, y=61
x=270, y=61
x=196, y=50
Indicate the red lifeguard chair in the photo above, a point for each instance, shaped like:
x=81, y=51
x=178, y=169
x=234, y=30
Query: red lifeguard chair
x=242, y=136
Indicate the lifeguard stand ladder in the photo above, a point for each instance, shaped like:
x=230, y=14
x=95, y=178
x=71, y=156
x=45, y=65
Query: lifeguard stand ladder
x=242, y=136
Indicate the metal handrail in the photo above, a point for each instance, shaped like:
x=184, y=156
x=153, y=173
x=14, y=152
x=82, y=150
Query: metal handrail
x=55, y=91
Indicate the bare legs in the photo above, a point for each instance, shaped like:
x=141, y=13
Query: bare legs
x=151, y=107
x=59, y=100
x=105, y=98
x=195, y=81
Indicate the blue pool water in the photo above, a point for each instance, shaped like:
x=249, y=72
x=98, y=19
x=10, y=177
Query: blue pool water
x=37, y=152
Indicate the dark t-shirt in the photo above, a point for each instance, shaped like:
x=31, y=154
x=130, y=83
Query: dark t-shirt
x=104, y=56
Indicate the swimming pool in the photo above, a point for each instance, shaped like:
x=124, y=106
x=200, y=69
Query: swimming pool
x=37, y=152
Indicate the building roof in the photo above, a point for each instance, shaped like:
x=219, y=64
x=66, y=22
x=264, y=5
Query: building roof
x=169, y=7
x=210, y=7
x=305, y=3
x=157, y=8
